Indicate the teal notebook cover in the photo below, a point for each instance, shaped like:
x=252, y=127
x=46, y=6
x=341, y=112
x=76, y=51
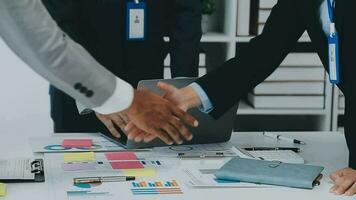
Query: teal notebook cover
x=270, y=173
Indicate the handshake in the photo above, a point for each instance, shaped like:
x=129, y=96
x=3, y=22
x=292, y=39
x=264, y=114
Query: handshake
x=151, y=116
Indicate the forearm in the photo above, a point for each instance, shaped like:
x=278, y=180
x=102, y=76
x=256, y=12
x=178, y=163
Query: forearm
x=229, y=83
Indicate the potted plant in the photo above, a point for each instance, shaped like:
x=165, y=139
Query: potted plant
x=208, y=8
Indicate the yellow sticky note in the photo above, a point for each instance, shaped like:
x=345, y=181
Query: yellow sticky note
x=78, y=157
x=2, y=189
x=140, y=172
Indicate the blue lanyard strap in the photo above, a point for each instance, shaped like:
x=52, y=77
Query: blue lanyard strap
x=331, y=8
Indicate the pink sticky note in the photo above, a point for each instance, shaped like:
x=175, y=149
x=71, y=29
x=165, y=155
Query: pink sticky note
x=121, y=156
x=127, y=165
x=77, y=143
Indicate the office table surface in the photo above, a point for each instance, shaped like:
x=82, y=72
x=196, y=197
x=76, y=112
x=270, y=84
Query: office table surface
x=323, y=148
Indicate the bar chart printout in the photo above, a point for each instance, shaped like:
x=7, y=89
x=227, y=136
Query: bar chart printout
x=155, y=187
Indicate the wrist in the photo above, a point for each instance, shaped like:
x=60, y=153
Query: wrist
x=191, y=98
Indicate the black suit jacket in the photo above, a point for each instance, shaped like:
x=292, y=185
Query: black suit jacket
x=100, y=26
x=256, y=61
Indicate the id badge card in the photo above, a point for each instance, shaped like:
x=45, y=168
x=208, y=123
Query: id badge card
x=334, y=68
x=136, y=21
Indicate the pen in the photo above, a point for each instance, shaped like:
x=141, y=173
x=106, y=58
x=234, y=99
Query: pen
x=83, y=180
x=280, y=137
x=206, y=155
x=295, y=149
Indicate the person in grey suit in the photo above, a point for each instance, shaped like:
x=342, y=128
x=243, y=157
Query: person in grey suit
x=28, y=29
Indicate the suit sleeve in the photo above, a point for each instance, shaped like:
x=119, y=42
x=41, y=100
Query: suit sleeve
x=254, y=62
x=185, y=34
x=28, y=29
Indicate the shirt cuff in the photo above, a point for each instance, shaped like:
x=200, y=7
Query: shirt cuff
x=120, y=100
x=207, y=105
x=83, y=110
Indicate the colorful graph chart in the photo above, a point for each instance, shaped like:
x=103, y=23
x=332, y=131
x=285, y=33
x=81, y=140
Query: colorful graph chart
x=155, y=187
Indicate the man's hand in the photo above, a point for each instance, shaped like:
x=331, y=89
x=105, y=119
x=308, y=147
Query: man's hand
x=344, y=182
x=157, y=116
x=121, y=120
x=118, y=119
x=184, y=98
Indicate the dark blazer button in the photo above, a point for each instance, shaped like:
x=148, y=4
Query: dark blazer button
x=78, y=86
x=83, y=90
x=90, y=93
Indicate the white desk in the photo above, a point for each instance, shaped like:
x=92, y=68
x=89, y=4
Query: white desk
x=323, y=148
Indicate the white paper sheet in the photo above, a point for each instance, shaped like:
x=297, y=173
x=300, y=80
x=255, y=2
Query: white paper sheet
x=16, y=169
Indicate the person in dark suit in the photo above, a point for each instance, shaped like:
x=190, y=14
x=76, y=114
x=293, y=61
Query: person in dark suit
x=100, y=27
x=222, y=88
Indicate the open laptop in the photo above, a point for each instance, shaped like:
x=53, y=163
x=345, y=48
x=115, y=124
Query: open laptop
x=210, y=130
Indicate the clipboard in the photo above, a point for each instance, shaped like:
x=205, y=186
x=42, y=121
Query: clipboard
x=34, y=168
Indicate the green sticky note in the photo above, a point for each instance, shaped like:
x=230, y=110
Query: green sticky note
x=2, y=189
x=79, y=157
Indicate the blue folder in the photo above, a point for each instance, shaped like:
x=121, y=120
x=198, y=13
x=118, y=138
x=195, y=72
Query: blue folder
x=270, y=173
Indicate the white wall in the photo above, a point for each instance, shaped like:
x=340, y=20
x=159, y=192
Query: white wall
x=24, y=99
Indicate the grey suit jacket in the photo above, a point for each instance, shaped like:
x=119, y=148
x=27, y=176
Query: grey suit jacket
x=29, y=30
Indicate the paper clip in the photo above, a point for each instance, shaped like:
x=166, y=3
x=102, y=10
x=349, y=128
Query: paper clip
x=36, y=167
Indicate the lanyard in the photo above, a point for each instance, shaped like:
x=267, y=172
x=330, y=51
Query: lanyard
x=331, y=9
x=333, y=41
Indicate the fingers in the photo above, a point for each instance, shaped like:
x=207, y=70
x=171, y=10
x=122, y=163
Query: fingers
x=140, y=137
x=185, y=117
x=124, y=117
x=148, y=137
x=134, y=134
x=173, y=133
x=335, y=175
x=341, y=185
x=118, y=121
x=110, y=126
x=183, y=130
x=167, y=88
x=351, y=191
x=163, y=136
x=130, y=127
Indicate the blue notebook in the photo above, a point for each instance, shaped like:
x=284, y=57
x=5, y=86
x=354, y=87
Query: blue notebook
x=271, y=173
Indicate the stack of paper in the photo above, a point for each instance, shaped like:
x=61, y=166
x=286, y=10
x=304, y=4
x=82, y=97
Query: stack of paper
x=298, y=83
